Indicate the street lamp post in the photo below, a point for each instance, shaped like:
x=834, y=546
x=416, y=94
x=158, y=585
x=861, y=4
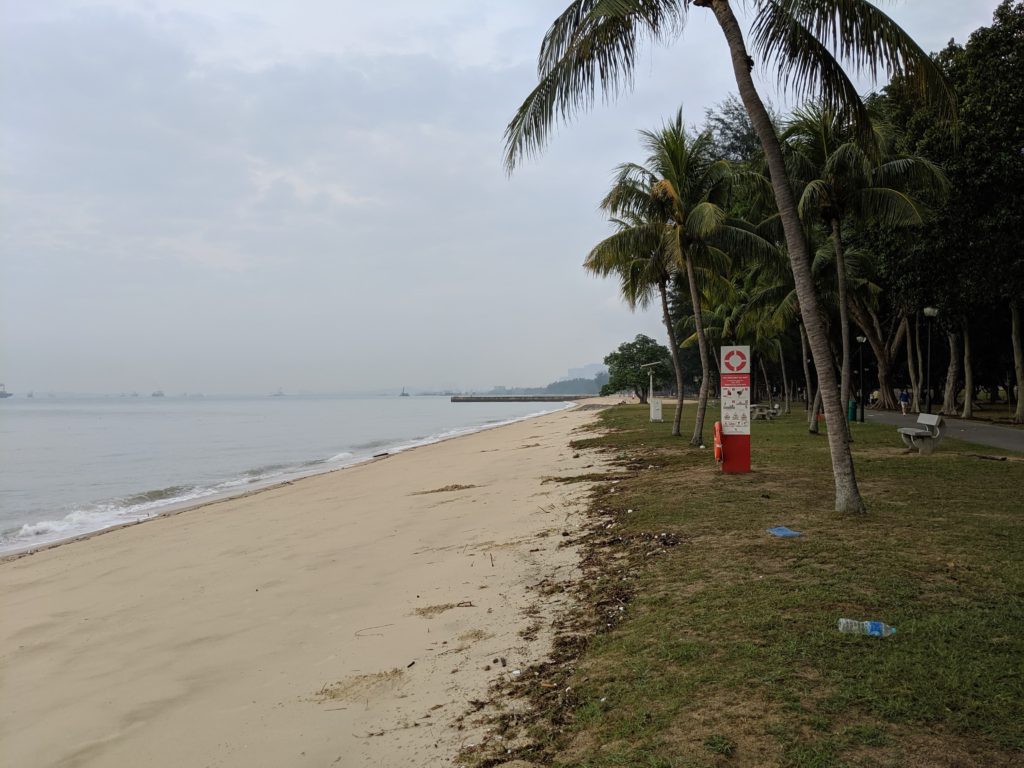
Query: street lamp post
x=931, y=313
x=861, y=340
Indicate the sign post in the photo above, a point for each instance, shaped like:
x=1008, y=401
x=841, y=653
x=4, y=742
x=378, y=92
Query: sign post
x=735, y=409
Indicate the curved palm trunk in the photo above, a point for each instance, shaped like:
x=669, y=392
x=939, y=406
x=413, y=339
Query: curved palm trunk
x=844, y=317
x=673, y=348
x=705, y=366
x=848, y=498
x=1018, y=361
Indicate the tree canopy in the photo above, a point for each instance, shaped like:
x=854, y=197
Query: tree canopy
x=625, y=373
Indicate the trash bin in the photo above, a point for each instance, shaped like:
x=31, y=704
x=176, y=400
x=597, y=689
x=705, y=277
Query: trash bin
x=851, y=410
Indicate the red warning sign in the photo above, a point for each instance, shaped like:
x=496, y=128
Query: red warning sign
x=735, y=379
x=735, y=399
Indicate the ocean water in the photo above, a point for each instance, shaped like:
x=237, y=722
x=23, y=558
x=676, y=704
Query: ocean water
x=69, y=466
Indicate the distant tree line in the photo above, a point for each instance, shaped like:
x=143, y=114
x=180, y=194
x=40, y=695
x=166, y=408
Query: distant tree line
x=565, y=387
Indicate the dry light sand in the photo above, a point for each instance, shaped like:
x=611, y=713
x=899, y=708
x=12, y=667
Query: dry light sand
x=341, y=620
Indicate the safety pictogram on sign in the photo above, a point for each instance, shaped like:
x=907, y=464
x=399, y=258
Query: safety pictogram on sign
x=735, y=361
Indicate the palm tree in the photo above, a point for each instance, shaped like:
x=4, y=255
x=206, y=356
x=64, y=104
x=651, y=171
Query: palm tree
x=636, y=253
x=841, y=176
x=684, y=189
x=594, y=43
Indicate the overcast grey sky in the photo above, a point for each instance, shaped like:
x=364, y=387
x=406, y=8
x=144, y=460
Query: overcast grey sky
x=235, y=196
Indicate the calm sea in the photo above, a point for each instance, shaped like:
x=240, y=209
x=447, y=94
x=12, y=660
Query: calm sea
x=73, y=465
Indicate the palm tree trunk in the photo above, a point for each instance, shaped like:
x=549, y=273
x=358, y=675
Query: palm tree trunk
x=844, y=316
x=915, y=381
x=1018, y=361
x=812, y=422
x=952, y=377
x=673, y=348
x=767, y=384
x=785, y=380
x=968, y=410
x=808, y=394
x=705, y=364
x=920, y=358
x=847, y=494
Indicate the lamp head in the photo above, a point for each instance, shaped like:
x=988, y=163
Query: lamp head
x=931, y=312
x=861, y=339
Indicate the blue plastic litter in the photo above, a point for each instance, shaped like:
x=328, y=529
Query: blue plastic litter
x=784, y=532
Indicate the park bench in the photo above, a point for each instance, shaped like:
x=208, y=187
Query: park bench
x=925, y=436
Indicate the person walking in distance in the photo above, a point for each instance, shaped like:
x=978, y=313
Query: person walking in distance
x=904, y=401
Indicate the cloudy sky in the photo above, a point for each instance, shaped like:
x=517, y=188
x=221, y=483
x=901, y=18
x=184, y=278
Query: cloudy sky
x=235, y=196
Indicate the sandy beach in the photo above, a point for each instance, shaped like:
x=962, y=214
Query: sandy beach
x=344, y=619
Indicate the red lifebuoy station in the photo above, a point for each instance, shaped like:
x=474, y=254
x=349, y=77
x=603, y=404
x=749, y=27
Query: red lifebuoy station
x=732, y=433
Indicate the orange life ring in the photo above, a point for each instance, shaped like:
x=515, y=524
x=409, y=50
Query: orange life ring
x=719, y=448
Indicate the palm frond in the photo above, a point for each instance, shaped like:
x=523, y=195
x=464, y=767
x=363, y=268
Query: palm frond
x=817, y=194
x=847, y=160
x=918, y=172
x=807, y=38
x=704, y=220
x=890, y=207
x=806, y=66
x=591, y=46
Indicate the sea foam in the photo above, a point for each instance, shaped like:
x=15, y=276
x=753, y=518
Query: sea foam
x=135, y=507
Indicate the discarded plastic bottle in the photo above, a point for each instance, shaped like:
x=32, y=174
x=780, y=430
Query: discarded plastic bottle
x=870, y=628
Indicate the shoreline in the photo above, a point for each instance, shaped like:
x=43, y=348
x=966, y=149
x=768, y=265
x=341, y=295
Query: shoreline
x=175, y=508
x=339, y=620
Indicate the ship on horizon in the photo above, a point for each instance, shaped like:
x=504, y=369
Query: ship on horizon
x=4, y=393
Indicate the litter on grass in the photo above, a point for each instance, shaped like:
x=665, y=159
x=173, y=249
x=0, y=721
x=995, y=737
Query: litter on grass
x=784, y=532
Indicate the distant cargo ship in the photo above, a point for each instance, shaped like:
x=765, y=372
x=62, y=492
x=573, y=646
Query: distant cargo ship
x=158, y=393
x=4, y=393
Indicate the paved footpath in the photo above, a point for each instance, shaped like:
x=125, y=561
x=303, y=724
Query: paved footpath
x=1006, y=438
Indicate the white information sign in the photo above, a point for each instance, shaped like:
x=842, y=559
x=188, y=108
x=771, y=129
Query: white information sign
x=735, y=390
x=655, y=409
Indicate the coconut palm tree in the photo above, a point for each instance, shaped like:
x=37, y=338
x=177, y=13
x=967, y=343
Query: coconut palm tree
x=842, y=177
x=636, y=253
x=684, y=190
x=593, y=45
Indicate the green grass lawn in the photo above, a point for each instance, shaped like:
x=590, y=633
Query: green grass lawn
x=716, y=644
